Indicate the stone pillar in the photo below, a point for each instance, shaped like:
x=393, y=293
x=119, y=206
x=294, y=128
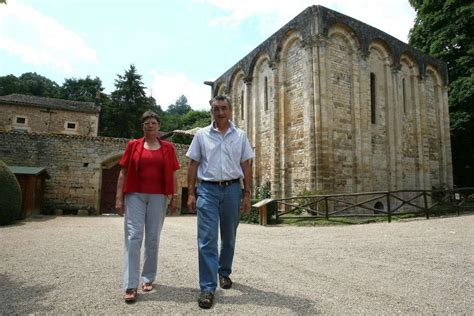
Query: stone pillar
x=390, y=127
x=397, y=113
x=282, y=130
x=447, y=138
x=424, y=136
x=275, y=107
x=309, y=111
x=325, y=154
x=420, y=178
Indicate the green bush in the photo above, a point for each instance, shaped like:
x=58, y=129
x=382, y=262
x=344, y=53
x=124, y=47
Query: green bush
x=10, y=196
x=262, y=192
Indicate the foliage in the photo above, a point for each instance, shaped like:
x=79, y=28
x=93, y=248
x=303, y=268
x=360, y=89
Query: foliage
x=10, y=196
x=180, y=107
x=436, y=33
x=121, y=117
x=81, y=89
x=29, y=83
x=261, y=192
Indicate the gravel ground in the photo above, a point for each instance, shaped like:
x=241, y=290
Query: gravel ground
x=64, y=265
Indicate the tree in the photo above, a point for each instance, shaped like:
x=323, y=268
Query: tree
x=180, y=107
x=33, y=84
x=444, y=30
x=81, y=89
x=121, y=117
x=9, y=84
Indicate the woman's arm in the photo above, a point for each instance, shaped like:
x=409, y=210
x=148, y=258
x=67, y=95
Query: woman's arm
x=119, y=207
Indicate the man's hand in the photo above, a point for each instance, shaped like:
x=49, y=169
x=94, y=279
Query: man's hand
x=192, y=203
x=245, y=205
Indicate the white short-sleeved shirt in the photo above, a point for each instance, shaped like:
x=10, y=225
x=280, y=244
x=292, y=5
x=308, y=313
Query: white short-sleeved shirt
x=220, y=155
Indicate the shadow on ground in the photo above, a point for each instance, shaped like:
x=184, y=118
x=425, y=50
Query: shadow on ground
x=248, y=296
x=20, y=299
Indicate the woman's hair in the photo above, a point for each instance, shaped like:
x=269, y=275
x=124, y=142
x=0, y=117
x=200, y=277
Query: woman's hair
x=150, y=114
x=221, y=98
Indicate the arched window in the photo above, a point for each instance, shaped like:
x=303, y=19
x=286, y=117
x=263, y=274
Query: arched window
x=242, y=104
x=265, y=95
x=404, y=96
x=372, y=97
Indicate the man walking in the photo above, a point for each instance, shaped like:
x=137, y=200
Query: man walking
x=219, y=157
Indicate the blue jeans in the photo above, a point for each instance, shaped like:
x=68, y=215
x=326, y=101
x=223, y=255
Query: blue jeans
x=217, y=207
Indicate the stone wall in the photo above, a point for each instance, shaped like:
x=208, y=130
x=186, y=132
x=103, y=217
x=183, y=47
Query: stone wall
x=75, y=164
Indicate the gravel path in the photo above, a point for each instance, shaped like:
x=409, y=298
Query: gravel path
x=64, y=265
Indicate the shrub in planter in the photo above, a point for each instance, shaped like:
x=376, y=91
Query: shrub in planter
x=10, y=196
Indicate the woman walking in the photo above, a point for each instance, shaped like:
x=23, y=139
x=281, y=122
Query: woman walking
x=146, y=181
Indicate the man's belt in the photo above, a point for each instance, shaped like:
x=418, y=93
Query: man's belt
x=222, y=183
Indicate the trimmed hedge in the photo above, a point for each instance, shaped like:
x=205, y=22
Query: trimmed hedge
x=10, y=196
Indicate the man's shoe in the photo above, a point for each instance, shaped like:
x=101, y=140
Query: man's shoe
x=206, y=299
x=225, y=282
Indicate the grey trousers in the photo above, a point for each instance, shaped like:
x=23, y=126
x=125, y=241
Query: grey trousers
x=144, y=215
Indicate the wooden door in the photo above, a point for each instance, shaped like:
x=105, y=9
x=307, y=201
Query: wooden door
x=109, y=189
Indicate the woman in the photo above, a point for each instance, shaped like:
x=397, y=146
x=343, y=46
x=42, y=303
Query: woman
x=146, y=180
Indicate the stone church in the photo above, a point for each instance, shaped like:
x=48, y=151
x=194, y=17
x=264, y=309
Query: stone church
x=333, y=105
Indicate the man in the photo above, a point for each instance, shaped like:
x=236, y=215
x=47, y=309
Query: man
x=219, y=157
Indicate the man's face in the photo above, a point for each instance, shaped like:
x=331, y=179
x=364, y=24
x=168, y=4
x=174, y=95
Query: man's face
x=220, y=110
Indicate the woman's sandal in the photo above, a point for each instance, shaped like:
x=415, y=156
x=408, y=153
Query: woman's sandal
x=147, y=286
x=130, y=295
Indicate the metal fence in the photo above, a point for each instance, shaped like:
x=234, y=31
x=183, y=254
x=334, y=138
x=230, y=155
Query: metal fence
x=368, y=204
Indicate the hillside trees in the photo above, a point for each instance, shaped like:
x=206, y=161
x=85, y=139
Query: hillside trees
x=444, y=29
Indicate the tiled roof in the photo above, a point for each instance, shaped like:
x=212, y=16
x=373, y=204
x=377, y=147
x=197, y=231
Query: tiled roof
x=28, y=170
x=30, y=100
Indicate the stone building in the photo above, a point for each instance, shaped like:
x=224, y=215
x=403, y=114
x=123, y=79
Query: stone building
x=19, y=112
x=83, y=169
x=333, y=105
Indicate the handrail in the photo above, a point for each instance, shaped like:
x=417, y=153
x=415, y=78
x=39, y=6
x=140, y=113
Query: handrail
x=395, y=202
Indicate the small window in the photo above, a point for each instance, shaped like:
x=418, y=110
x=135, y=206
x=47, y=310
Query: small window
x=71, y=125
x=20, y=120
x=372, y=97
x=265, y=95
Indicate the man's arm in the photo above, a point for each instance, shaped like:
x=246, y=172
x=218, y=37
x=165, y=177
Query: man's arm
x=119, y=207
x=192, y=176
x=247, y=169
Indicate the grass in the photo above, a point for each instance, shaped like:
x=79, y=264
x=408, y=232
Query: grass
x=294, y=220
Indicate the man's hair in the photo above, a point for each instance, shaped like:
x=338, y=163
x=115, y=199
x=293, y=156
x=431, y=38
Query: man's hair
x=150, y=114
x=221, y=97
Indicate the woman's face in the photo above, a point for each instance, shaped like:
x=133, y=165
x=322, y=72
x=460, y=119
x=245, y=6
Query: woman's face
x=151, y=126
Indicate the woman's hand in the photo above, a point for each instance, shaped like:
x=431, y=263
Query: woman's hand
x=119, y=207
x=172, y=205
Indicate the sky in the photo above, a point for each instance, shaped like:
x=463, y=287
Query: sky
x=175, y=45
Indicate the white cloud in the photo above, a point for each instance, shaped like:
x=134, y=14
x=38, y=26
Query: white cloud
x=40, y=40
x=394, y=17
x=166, y=88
